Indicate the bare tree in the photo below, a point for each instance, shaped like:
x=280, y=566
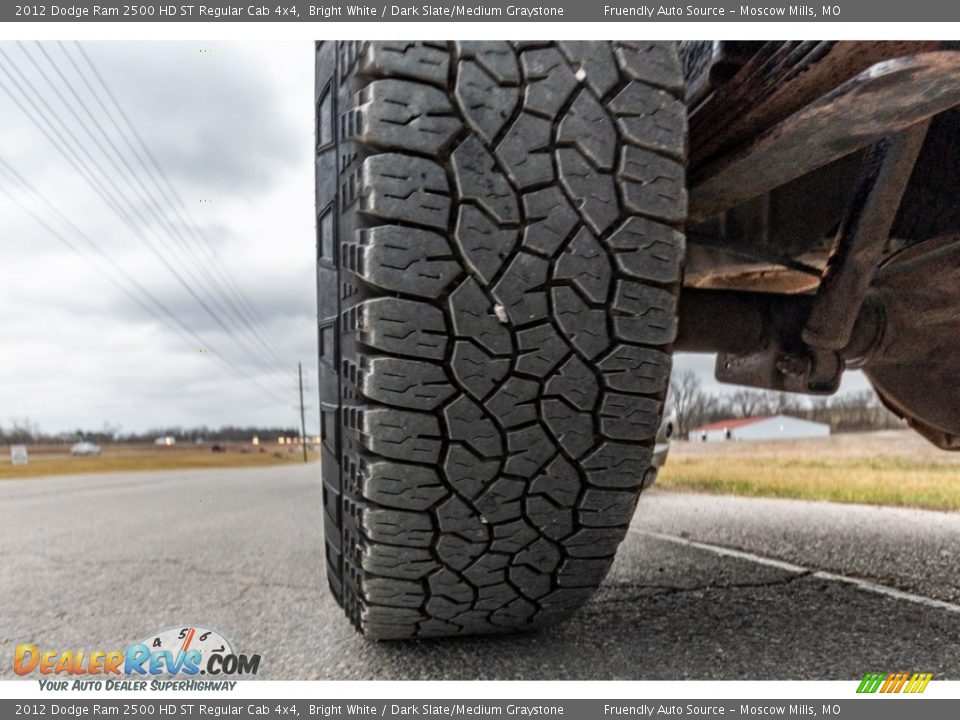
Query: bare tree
x=747, y=403
x=686, y=400
x=23, y=430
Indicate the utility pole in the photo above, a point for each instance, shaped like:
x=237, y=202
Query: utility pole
x=303, y=421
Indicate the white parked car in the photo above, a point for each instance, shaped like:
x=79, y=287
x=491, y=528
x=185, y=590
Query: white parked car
x=85, y=448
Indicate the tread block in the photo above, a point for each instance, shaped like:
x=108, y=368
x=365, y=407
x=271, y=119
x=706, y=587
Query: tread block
x=417, y=60
x=585, y=263
x=448, y=584
x=648, y=250
x=629, y=417
x=617, y=465
x=511, y=537
x=404, y=487
x=405, y=188
x=636, y=369
x=549, y=220
x=475, y=371
x=554, y=521
x=393, y=593
x=401, y=435
x=467, y=473
x=484, y=245
x=525, y=151
x=405, y=563
x=652, y=184
x=535, y=585
x=497, y=57
x=404, y=327
x=473, y=317
x=588, y=126
x=520, y=290
x=458, y=518
x=593, y=542
x=541, y=555
x=529, y=449
x=485, y=103
x=596, y=61
x=585, y=328
x=550, y=80
x=559, y=481
x=402, y=259
x=654, y=63
x=467, y=423
x=606, y=508
x=649, y=117
x=592, y=191
x=540, y=348
x=572, y=429
x=584, y=572
x=402, y=115
x=648, y=314
x=479, y=179
x=515, y=402
x=398, y=527
x=411, y=383
x=575, y=383
x=501, y=502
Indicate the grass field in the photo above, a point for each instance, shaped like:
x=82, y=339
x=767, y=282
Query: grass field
x=884, y=468
x=52, y=460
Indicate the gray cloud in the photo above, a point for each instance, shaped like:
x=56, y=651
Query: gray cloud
x=232, y=128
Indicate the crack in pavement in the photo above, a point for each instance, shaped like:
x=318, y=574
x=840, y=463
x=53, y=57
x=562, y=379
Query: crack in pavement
x=800, y=571
x=668, y=590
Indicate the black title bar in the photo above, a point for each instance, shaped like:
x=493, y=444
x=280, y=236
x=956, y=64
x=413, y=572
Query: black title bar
x=486, y=11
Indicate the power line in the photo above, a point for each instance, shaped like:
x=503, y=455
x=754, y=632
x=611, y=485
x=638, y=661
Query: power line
x=232, y=299
x=165, y=315
x=149, y=202
x=167, y=189
x=69, y=152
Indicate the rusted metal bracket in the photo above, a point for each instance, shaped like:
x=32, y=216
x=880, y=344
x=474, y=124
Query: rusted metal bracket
x=859, y=245
x=906, y=338
x=803, y=353
x=757, y=339
x=885, y=99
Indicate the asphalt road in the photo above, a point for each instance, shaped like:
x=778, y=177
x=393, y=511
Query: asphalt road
x=95, y=562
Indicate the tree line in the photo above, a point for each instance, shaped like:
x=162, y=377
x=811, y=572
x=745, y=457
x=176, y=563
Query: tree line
x=692, y=407
x=25, y=430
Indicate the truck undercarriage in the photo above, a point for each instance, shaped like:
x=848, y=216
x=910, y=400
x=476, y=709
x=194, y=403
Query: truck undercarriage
x=823, y=221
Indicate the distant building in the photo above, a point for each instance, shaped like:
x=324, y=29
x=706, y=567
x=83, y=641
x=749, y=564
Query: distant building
x=769, y=427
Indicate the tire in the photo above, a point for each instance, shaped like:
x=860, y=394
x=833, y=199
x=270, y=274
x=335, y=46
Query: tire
x=499, y=256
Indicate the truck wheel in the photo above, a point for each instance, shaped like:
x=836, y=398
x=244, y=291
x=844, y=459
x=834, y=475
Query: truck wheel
x=499, y=255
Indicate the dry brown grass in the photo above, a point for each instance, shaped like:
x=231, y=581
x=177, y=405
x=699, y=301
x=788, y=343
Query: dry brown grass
x=56, y=460
x=883, y=468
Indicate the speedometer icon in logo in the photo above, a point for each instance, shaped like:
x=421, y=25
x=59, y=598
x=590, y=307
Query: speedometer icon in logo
x=178, y=641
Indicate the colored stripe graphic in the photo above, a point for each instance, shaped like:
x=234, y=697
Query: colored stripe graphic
x=871, y=683
x=894, y=683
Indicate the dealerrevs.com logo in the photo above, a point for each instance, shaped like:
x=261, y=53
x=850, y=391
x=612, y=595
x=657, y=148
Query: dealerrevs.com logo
x=172, y=659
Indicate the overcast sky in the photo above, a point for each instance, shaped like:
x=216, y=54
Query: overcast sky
x=231, y=126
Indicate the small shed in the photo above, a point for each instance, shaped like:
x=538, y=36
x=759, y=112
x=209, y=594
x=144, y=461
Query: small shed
x=767, y=427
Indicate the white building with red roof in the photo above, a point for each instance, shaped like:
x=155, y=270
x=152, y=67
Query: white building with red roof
x=767, y=427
